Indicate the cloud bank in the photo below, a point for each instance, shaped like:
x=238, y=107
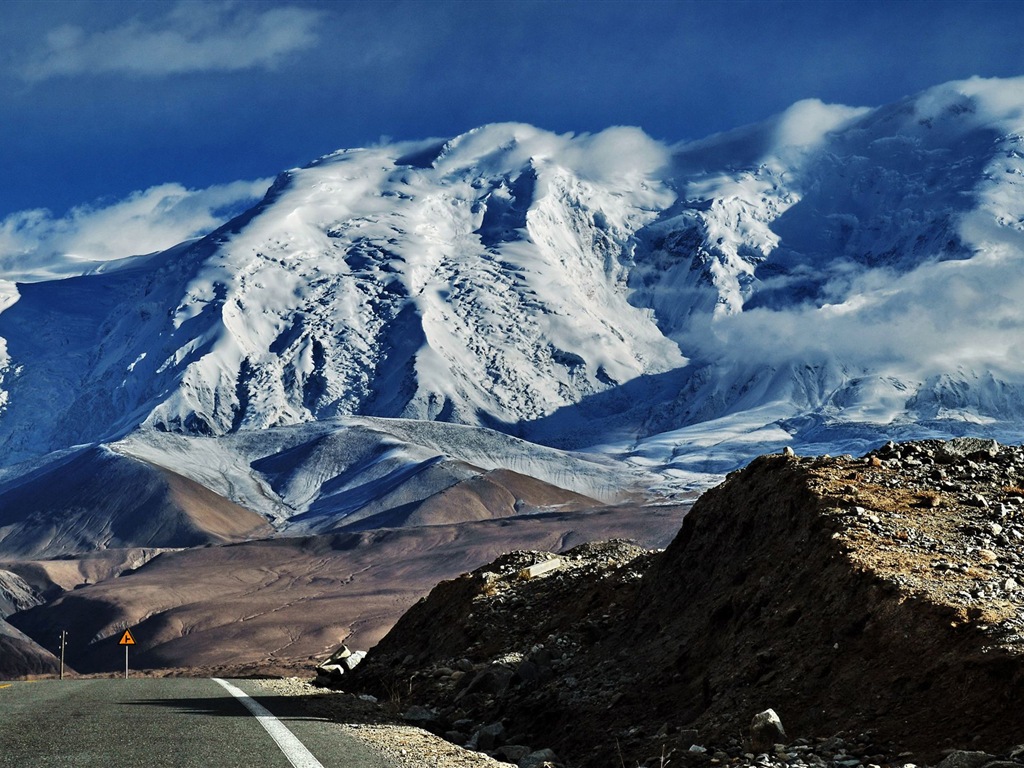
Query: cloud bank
x=36, y=245
x=932, y=320
x=191, y=37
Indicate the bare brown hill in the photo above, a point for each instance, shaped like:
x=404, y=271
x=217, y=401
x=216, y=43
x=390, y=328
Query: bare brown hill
x=97, y=499
x=489, y=495
x=21, y=656
x=879, y=596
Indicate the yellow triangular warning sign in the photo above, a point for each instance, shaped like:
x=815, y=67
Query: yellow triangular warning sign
x=126, y=638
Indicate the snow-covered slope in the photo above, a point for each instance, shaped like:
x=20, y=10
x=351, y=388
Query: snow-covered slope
x=827, y=278
x=850, y=275
x=480, y=281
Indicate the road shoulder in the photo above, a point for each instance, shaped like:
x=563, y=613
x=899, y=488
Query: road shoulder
x=399, y=744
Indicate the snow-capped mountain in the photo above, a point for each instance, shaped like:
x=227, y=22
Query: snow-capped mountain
x=828, y=278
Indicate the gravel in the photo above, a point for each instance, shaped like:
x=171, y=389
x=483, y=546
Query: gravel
x=401, y=745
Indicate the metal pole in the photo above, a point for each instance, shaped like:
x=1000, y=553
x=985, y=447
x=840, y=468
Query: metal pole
x=126, y=662
x=63, y=641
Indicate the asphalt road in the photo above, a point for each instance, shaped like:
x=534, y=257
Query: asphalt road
x=152, y=723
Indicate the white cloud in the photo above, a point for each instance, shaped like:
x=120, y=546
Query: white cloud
x=808, y=122
x=36, y=245
x=616, y=154
x=191, y=37
x=934, y=319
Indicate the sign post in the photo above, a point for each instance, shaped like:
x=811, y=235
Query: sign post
x=63, y=642
x=126, y=640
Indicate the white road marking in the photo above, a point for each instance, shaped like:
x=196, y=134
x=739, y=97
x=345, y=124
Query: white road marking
x=293, y=749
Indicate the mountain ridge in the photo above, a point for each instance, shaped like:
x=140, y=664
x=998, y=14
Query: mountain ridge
x=826, y=278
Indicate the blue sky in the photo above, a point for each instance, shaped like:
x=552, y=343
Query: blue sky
x=103, y=102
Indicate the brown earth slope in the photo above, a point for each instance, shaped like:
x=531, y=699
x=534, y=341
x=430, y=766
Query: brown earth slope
x=877, y=596
x=21, y=656
x=97, y=499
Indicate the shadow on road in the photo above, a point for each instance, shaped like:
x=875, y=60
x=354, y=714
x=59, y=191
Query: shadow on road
x=339, y=708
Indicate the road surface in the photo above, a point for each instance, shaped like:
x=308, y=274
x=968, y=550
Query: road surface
x=170, y=722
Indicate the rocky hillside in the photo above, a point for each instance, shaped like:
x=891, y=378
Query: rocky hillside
x=875, y=604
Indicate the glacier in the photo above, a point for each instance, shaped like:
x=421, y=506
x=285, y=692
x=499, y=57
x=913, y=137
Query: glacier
x=607, y=312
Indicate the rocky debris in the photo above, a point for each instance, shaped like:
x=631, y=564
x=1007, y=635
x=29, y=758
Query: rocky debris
x=492, y=637
x=874, y=603
x=340, y=662
x=957, y=449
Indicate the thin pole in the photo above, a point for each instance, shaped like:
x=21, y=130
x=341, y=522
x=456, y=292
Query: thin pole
x=126, y=662
x=63, y=642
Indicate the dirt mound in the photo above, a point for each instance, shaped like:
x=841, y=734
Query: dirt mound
x=877, y=597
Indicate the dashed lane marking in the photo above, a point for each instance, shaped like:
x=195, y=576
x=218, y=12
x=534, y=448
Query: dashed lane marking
x=293, y=749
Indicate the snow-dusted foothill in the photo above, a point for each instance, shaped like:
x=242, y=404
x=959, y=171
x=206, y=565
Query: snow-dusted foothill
x=830, y=278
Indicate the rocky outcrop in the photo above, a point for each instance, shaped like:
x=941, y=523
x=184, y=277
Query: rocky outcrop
x=866, y=594
x=876, y=598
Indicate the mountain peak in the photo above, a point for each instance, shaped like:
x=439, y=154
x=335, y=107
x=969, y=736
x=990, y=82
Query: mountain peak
x=592, y=289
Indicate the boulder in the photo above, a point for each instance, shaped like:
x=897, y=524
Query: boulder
x=489, y=737
x=538, y=759
x=512, y=753
x=494, y=680
x=766, y=731
x=341, y=661
x=963, y=759
x=422, y=717
x=965, y=448
x=539, y=569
